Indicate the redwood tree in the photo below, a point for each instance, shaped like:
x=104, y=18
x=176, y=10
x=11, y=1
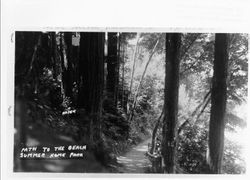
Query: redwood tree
x=218, y=103
x=92, y=80
x=112, y=67
x=173, y=42
x=68, y=69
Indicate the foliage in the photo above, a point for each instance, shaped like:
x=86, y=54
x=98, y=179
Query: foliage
x=233, y=162
x=192, y=149
x=38, y=79
x=238, y=68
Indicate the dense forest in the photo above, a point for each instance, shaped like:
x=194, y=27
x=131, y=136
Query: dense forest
x=140, y=102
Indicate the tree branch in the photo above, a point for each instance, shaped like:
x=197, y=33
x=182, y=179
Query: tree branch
x=134, y=58
x=189, y=46
x=193, y=64
x=187, y=121
x=34, y=54
x=142, y=77
x=203, y=109
x=155, y=131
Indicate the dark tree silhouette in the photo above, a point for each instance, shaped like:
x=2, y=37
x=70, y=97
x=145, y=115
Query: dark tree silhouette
x=91, y=75
x=173, y=42
x=68, y=68
x=218, y=103
x=112, y=67
x=155, y=132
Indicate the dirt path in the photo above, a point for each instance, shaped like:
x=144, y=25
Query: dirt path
x=135, y=160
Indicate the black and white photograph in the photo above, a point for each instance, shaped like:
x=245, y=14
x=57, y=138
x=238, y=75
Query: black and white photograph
x=121, y=102
x=124, y=89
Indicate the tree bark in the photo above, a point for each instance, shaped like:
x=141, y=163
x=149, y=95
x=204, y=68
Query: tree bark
x=66, y=64
x=134, y=60
x=53, y=54
x=20, y=122
x=112, y=67
x=92, y=81
x=123, y=105
x=34, y=55
x=173, y=42
x=155, y=131
x=69, y=69
x=218, y=104
x=118, y=69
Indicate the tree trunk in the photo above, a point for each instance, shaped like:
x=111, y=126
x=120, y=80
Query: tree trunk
x=218, y=104
x=154, y=132
x=123, y=105
x=75, y=61
x=112, y=67
x=173, y=42
x=92, y=80
x=66, y=64
x=118, y=69
x=69, y=70
x=140, y=83
x=134, y=60
x=20, y=121
x=63, y=62
x=53, y=54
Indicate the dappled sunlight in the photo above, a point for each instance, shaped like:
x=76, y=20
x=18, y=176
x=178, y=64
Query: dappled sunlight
x=110, y=91
x=124, y=160
x=32, y=142
x=135, y=160
x=142, y=149
x=54, y=168
x=65, y=138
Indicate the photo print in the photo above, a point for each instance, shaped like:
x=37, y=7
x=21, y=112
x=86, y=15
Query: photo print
x=130, y=102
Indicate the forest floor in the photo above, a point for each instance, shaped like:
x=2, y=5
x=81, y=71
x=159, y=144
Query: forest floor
x=42, y=136
x=131, y=161
x=135, y=160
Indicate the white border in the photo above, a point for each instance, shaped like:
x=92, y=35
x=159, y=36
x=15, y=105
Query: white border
x=229, y=16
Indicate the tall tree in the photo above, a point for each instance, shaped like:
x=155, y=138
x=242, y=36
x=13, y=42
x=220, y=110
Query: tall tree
x=112, y=67
x=155, y=132
x=65, y=55
x=53, y=53
x=91, y=75
x=218, y=103
x=134, y=61
x=123, y=75
x=27, y=48
x=118, y=69
x=173, y=42
x=69, y=69
x=141, y=80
